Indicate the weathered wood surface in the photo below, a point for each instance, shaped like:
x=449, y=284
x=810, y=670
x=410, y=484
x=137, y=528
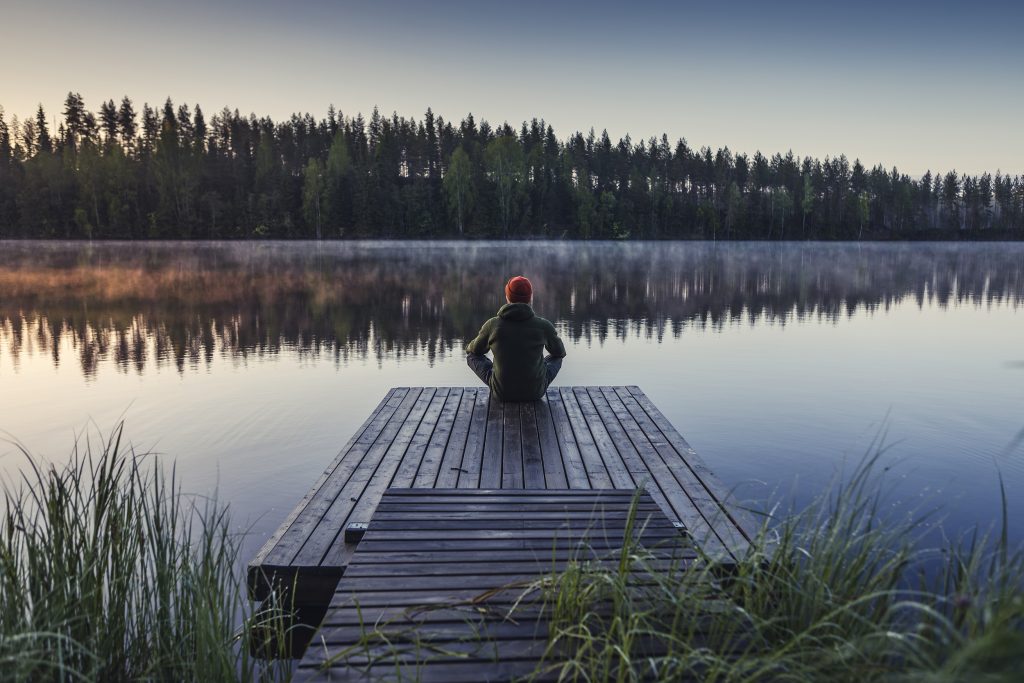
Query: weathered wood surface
x=438, y=437
x=428, y=592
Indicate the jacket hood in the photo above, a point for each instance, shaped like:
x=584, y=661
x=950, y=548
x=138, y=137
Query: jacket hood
x=517, y=312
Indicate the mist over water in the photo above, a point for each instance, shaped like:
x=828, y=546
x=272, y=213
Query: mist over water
x=250, y=364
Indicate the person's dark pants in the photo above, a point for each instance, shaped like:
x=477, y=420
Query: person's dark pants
x=484, y=368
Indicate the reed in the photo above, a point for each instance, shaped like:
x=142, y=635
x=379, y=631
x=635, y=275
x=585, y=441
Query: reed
x=839, y=591
x=108, y=572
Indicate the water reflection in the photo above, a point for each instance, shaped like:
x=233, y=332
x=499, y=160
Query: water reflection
x=180, y=304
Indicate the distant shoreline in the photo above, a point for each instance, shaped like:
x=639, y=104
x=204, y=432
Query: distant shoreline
x=172, y=173
x=939, y=237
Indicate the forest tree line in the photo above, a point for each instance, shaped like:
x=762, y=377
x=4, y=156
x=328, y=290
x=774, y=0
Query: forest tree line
x=170, y=173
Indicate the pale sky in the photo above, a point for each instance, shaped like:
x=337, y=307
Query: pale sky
x=919, y=85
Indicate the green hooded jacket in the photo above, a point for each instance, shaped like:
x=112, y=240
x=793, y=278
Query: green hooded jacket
x=517, y=337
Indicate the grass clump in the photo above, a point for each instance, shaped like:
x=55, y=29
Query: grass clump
x=837, y=592
x=109, y=573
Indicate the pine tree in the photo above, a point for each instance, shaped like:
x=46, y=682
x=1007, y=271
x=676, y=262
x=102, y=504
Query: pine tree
x=951, y=196
x=74, y=119
x=150, y=129
x=433, y=149
x=6, y=150
x=126, y=124
x=42, y=141
x=108, y=121
x=199, y=131
x=924, y=195
x=984, y=190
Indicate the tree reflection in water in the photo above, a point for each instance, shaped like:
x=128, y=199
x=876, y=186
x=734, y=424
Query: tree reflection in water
x=182, y=303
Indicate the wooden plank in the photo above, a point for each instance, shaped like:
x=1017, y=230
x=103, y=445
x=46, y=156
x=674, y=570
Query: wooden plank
x=634, y=464
x=488, y=517
x=421, y=658
x=375, y=418
x=490, y=467
x=537, y=509
x=512, y=447
x=469, y=472
x=411, y=597
x=575, y=472
x=691, y=484
x=475, y=567
x=551, y=454
x=530, y=611
x=453, y=512
x=642, y=459
x=430, y=464
x=613, y=462
x=742, y=518
x=509, y=522
x=662, y=476
x=367, y=499
x=529, y=512
x=489, y=545
x=643, y=474
x=439, y=650
x=483, y=506
x=375, y=422
x=420, y=558
x=504, y=668
x=437, y=631
x=361, y=584
x=324, y=496
x=333, y=520
x=350, y=616
x=414, y=454
x=434, y=598
x=533, y=464
x=551, y=491
x=568, y=532
x=554, y=496
x=454, y=672
x=451, y=462
x=722, y=529
x=597, y=472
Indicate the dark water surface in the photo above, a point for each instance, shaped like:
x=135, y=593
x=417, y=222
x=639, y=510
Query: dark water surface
x=251, y=364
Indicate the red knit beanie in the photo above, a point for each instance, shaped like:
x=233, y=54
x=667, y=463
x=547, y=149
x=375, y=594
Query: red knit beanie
x=519, y=290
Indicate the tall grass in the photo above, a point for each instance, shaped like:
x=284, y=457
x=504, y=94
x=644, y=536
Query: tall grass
x=109, y=573
x=840, y=591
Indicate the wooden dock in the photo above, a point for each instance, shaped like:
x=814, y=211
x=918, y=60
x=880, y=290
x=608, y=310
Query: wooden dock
x=446, y=584
x=577, y=439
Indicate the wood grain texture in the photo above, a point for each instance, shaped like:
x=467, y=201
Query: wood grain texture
x=577, y=440
x=443, y=618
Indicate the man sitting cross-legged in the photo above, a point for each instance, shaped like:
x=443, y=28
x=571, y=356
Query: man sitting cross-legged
x=517, y=337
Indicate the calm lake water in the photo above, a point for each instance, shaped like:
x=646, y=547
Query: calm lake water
x=251, y=364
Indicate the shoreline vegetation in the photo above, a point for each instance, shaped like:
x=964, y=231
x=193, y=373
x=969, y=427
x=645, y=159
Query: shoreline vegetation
x=108, y=572
x=169, y=173
x=838, y=591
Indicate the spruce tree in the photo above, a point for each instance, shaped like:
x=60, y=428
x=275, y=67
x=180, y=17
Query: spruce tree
x=108, y=121
x=126, y=124
x=42, y=131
